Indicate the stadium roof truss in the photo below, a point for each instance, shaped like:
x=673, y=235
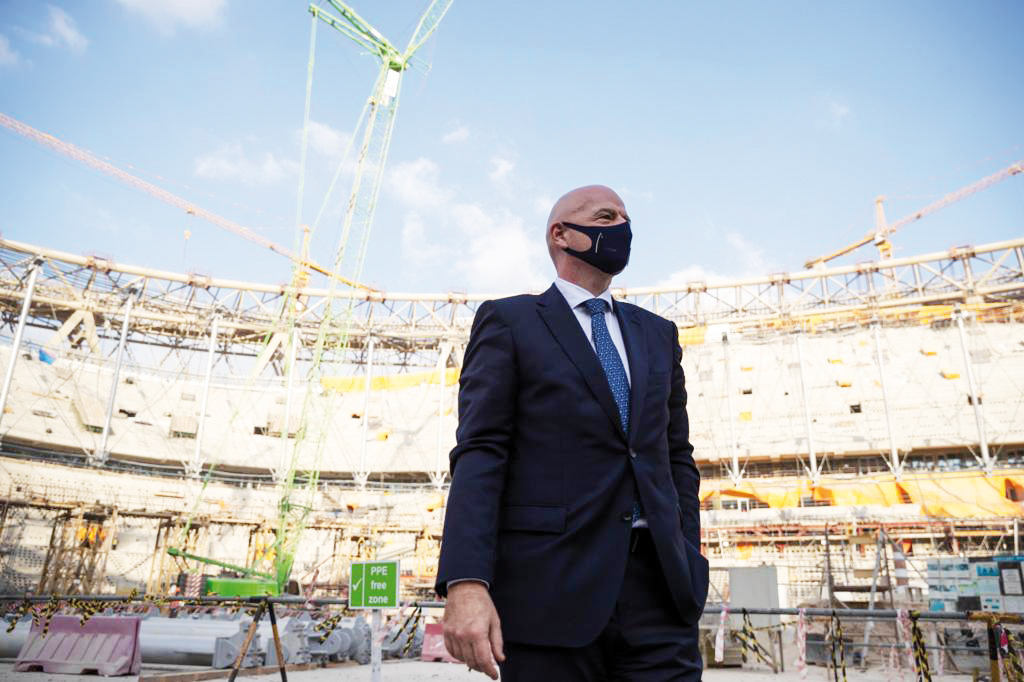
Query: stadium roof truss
x=176, y=310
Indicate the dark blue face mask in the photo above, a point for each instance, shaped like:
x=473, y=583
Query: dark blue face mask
x=609, y=246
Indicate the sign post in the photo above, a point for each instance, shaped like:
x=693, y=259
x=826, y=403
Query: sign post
x=373, y=585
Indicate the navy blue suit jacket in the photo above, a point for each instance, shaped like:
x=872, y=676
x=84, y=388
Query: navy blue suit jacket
x=543, y=473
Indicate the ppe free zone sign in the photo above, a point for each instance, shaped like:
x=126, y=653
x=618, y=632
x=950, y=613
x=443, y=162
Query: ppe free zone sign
x=373, y=585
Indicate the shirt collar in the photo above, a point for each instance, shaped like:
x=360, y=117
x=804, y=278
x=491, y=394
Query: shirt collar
x=575, y=295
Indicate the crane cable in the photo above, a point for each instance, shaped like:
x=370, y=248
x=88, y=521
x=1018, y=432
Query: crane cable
x=89, y=159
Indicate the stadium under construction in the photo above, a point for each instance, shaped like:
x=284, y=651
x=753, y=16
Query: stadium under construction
x=147, y=411
x=164, y=436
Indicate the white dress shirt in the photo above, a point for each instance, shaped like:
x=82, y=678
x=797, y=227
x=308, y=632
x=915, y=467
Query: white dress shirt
x=576, y=296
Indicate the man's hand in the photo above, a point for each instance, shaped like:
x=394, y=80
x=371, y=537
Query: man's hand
x=472, y=630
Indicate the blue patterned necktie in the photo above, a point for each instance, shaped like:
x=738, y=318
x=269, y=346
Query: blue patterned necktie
x=608, y=355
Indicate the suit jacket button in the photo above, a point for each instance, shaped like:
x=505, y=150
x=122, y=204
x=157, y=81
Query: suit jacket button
x=632, y=453
x=627, y=515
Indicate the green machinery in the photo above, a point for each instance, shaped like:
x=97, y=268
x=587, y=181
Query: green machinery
x=298, y=488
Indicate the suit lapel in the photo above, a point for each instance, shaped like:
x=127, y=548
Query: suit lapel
x=636, y=350
x=564, y=326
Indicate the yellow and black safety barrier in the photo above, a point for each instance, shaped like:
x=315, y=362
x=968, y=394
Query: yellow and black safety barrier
x=837, y=646
x=920, y=653
x=328, y=625
x=413, y=619
x=749, y=642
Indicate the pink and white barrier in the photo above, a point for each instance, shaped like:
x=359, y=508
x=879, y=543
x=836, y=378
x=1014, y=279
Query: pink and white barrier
x=107, y=645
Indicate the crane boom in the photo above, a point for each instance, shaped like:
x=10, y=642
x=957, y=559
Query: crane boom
x=879, y=234
x=81, y=155
x=298, y=489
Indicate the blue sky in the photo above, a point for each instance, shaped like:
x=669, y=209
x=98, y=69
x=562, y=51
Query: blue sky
x=745, y=137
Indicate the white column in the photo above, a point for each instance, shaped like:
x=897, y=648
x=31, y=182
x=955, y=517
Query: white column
x=734, y=472
x=196, y=465
x=364, y=474
x=284, y=466
x=812, y=455
x=894, y=453
x=375, y=646
x=19, y=331
x=100, y=455
x=979, y=417
x=439, y=468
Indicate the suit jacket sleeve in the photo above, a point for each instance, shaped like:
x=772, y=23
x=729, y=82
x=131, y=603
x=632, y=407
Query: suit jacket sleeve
x=684, y=472
x=487, y=399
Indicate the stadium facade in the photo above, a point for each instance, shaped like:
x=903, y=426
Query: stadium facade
x=143, y=409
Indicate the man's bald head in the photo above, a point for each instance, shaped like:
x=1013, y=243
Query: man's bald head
x=574, y=205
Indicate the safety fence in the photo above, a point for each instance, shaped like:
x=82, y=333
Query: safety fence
x=1003, y=646
x=220, y=632
x=909, y=649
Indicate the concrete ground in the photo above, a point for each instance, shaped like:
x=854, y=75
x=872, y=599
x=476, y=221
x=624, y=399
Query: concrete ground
x=412, y=671
x=449, y=672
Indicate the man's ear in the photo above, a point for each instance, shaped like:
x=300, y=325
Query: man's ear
x=557, y=231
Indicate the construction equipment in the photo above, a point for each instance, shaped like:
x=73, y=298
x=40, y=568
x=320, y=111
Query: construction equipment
x=272, y=565
x=880, y=235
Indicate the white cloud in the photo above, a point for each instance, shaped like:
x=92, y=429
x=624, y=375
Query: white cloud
x=61, y=31
x=459, y=134
x=417, y=249
x=750, y=258
x=501, y=255
x=692, y=274
x=476, y=247
x=416, y=184
x=167, y=15
x=8, y=55
x=232, y=163
x=500, y=170
x=65, y=30
x=542, y=206
x=631, y=196
x=831, y=112
x=326, y=141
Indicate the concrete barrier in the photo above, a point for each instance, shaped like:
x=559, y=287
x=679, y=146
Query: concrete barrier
x=107, y=645
x=433, y=645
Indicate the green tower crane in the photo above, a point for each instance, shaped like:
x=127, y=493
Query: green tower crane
x=299, y=483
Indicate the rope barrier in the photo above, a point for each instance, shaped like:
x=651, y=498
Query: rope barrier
x=920, y=655
x=720, y=634
x=800, y=639
x=905, y=637
x=19, y=612
x=748, y=641
x=412, y=634
x=835, y=635
x=1006, y=649
x=328, y=625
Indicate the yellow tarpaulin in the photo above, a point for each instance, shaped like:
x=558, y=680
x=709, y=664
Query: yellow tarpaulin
x=389, y=382
x=692, y=336
x=958, y=494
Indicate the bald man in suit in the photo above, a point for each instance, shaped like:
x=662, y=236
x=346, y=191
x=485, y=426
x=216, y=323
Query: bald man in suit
x=571, y=546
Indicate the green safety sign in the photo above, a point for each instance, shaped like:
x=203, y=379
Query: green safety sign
x=373, y=585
